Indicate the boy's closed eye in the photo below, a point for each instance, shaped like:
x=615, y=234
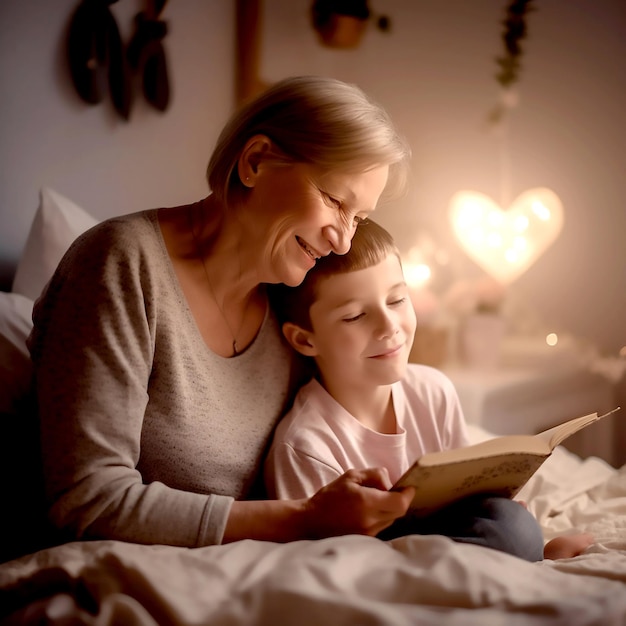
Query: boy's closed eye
x=353, y=318
x=398, y=301
x=393, y=303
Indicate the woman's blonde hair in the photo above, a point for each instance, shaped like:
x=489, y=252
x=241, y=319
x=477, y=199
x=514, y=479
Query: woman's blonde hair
x=316, y=120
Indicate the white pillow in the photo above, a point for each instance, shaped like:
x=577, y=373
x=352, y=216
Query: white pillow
x=57, y=223
x=15, y=365
x=16, y=318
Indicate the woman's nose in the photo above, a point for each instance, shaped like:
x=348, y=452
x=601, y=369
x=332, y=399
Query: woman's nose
x=340, y=238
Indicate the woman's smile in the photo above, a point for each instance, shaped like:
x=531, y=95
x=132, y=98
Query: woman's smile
x=311, y=252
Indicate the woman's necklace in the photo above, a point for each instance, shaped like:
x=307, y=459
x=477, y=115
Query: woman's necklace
x=200, y=256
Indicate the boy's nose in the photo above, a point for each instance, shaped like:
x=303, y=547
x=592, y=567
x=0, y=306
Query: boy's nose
x=387, y=325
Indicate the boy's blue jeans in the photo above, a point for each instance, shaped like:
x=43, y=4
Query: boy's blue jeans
x=490, y=521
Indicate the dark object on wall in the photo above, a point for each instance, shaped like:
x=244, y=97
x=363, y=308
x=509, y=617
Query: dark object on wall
x=341, y=23
x=384, y=23
x=96, y=56
x=509, y=63
x=515, y=30
x=146, y=56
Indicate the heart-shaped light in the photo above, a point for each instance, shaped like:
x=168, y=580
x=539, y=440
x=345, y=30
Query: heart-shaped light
x=505, y=243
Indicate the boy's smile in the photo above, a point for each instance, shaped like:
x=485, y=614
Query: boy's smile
x=389, y=353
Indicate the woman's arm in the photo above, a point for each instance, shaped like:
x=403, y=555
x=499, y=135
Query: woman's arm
x=92, y=347
x=356, y=503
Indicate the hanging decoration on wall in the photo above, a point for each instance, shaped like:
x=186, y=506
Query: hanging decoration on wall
x=506, y=239
x=99, y=61
x=509, y=63
x=341, y=23
x=146, y=55
x=96, y=56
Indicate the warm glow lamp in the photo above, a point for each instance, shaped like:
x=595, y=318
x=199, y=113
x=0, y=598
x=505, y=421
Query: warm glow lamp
x=505, y=243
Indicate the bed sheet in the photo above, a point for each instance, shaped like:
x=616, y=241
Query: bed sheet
x=347, y=580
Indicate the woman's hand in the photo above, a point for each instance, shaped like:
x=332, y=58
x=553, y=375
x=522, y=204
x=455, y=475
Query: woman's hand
x=356, y=503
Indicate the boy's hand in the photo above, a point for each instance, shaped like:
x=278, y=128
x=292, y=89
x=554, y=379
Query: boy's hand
x=359, y=502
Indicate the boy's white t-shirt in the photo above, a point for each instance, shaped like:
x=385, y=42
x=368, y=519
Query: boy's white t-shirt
x=318, y=440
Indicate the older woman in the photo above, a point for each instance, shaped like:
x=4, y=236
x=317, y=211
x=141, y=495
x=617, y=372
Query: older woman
x=160, y=370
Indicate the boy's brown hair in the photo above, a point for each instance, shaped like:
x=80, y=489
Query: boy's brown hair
x=371, y=244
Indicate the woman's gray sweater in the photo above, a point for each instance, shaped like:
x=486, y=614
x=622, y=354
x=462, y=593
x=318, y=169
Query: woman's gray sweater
x=147, y=435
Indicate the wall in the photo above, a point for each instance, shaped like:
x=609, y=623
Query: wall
x=434, y=72
x=103, y=163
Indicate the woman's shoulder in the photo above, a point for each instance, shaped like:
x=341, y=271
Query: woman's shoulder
x=117, y=256
x=120, y=242
x=116, y=232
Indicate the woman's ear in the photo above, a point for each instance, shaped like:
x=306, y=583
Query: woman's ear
x=253, y=152
x=299, y=339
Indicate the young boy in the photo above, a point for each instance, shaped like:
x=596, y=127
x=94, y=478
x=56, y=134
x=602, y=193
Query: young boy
x=368, y=407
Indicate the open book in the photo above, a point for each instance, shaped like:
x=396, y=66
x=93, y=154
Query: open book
x=500, y=466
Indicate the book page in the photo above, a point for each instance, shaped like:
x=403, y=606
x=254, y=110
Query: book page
x=499, y=466
x=506, y=444
x=557, y=434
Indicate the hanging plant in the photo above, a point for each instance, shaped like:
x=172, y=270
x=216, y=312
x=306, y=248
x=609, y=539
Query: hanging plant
x=509, y=63
x=515, y=30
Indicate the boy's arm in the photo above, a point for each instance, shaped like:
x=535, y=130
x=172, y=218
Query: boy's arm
x=292, y=474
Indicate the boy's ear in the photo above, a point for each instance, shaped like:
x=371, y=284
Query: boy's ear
x=299, y=339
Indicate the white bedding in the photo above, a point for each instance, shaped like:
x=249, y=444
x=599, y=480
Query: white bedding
x=350, y=580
